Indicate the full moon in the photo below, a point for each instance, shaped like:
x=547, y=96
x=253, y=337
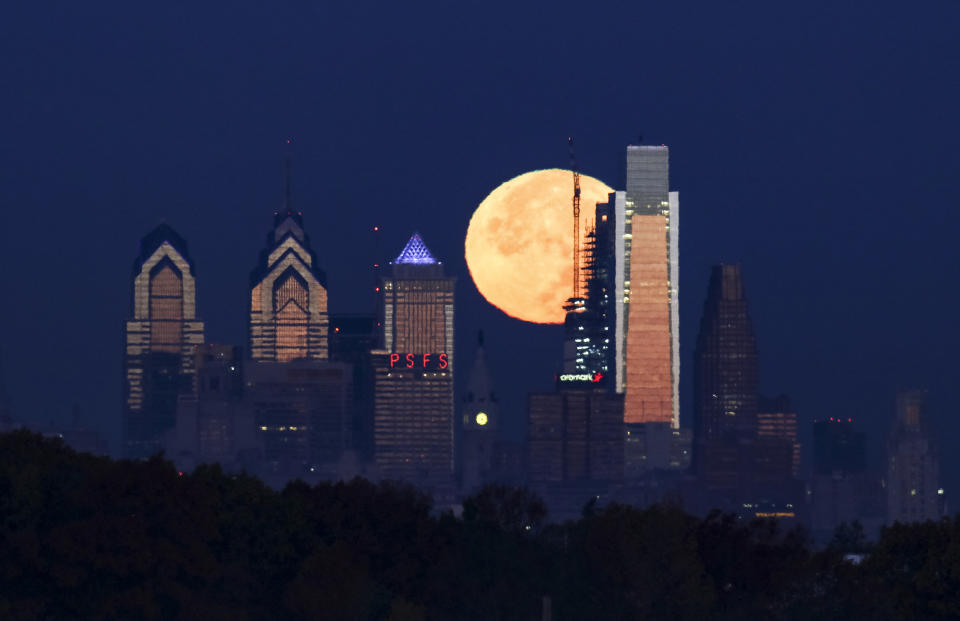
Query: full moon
x=519, y=245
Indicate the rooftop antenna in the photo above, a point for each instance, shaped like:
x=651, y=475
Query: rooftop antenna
x=376, y=269
x=288, y=178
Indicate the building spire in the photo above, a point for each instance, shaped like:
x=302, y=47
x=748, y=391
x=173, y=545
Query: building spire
x=286, y=210
x=288, y=179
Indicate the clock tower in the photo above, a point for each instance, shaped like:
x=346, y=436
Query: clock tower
x=480, y=416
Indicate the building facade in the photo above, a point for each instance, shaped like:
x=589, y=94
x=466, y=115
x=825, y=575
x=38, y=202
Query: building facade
x=725, y=372
x=214, y=425
x=777, y=421
x=841, y=490
x=575, y=434
x=913, y=463
x=301, y=410
x=649, y=302
x=288, y=317
x=413, y=395
x=160, y=340
x=352, y=339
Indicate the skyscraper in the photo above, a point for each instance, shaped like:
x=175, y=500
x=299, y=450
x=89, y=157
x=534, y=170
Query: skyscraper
x=611, y=253
x=725, y=382
x=413, y=402
x=913, y=463
x=725, y=372
x=160, y=339
x=840, y=489
x=649, y=302
x=288, y=294
x=352, y=338
x=480, y=412
x=587, y=345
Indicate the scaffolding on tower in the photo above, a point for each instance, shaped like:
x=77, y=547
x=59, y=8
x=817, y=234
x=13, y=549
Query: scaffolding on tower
x=575, y=303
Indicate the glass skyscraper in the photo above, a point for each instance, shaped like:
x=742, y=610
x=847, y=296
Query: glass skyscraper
x=725, y=383
x=160, y=339
x=647, y=328
x=725, y=359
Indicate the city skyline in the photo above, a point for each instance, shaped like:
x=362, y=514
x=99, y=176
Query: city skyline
x=790, y=162
x=287, y=240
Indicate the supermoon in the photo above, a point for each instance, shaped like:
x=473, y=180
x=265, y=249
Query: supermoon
x=519, y=245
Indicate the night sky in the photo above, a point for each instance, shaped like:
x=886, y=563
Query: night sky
x=813, y=142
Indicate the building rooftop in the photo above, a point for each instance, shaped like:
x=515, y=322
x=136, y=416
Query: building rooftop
x=415, y=253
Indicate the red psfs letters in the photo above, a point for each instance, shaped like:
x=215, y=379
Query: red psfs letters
x=420, y=361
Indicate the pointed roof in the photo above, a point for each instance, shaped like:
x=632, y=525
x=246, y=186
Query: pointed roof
x=479, y=383
x=157, y=237
x=415, y=253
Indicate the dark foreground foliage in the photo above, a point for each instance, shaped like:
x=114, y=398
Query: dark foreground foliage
x=89, y=538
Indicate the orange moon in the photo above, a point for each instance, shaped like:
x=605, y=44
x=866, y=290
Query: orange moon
x=519, y=245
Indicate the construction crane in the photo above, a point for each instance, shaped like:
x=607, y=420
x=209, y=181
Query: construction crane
x=576, y=221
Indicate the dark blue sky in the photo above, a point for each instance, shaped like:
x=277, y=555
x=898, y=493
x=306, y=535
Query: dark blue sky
x=814, y=142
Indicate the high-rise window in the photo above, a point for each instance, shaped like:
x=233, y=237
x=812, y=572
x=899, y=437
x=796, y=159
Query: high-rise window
x=166, y=310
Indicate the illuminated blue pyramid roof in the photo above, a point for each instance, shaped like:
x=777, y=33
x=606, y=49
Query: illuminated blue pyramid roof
x=416, y=253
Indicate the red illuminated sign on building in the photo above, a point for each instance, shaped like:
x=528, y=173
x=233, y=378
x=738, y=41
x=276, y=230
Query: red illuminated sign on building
x=593, y=378
x=419, y=361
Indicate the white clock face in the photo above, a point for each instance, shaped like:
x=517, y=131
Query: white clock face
x=482, y=418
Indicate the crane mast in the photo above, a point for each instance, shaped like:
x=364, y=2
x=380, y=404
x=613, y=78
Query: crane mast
x=576, y=221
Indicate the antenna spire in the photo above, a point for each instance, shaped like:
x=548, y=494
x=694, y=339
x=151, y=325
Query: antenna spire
x=288, y=178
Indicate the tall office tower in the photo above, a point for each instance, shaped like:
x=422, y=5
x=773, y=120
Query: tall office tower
x=587, y=345
x=841, y=490
x=352, y=338
x=725, y=383
x=913, y=463
x=213, y=424
x=612, y=255
x=301, y=410
x=160, y=339
x=725, y=373
x=650, y=303
x=288, y=294
x=605, y=287
x=413, y=397
x=481, y=417
x=777, y=420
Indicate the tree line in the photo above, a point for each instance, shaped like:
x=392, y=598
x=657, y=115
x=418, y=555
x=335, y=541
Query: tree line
x=84, y=537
